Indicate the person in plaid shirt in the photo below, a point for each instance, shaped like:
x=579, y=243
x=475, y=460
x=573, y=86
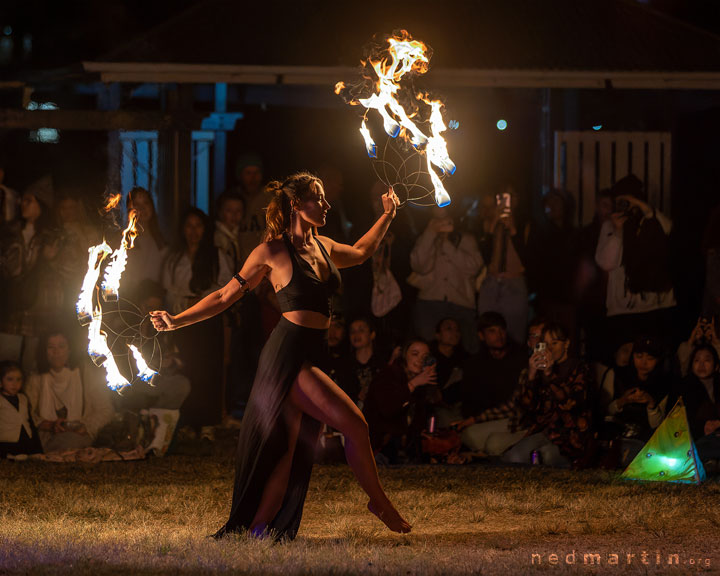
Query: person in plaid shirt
x=553, y=405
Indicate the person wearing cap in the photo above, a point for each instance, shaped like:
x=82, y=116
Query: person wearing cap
x=490, y=379
x=634, y=397
x=633, y=249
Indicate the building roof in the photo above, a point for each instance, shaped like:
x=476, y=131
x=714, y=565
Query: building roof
x=572, y=43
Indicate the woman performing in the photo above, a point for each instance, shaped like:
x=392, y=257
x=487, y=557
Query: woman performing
x=291, y=397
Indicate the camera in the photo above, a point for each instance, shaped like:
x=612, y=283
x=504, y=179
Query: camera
x=429, y=360
x=622, y=205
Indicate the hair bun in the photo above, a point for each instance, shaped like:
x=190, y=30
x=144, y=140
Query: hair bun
x=274, y=187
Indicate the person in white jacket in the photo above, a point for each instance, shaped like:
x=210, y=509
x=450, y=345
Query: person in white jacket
x=632, y=311
x=70, y=404
x=445, y=264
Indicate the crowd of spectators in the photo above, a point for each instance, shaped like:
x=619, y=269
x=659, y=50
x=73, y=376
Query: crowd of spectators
x=521, y=339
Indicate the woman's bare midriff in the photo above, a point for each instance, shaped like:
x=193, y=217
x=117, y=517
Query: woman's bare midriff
x=308, y=319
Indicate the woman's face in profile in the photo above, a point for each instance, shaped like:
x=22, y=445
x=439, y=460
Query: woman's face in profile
x=314, y=207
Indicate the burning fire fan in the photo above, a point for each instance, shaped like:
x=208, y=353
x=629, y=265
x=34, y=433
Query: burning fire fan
x=123, y=331
x=414, y=159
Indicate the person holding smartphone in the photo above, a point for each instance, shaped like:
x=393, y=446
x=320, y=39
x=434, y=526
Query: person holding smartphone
x=634, y=397
x=553, y=405
x=399, y=400
x=504, y=288
x=703, y=333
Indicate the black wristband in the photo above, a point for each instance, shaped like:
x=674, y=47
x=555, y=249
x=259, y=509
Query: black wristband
x=243, y=283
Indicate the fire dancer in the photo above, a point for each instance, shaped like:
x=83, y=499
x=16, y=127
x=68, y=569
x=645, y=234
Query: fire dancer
x=291, y=396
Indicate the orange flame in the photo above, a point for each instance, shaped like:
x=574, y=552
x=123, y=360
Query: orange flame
x=112, y=202
x=405, y=55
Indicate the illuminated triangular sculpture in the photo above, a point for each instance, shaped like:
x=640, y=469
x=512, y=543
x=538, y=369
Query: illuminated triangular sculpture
x=670, y=455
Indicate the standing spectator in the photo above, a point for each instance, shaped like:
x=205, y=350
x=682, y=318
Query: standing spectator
x=8, y=199
x=592, y=281
x=193, y=269
x=634, y=398
x=504, y=289
x=554, y=405
x=553, y=256
x=145, y=260
x=30, y=246
x=18, y=434
x=633, y=249
x=446, y=263
x=711, y=251
x=490, y=379
x=69, y=404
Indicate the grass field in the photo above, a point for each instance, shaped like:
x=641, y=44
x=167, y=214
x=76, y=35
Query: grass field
x=153, y=517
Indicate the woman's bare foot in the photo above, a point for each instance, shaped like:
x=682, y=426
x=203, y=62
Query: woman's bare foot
x=390, y=517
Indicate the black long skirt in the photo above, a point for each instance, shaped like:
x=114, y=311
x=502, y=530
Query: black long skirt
x=264, y=435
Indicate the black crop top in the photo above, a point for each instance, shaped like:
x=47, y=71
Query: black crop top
x=306, y=291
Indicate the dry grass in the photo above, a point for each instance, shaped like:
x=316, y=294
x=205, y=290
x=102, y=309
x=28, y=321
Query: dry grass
x=154, y=517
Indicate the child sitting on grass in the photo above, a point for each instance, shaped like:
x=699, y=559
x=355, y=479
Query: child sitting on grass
x=17, y=432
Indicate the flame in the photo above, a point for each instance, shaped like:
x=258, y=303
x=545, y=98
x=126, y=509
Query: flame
x=145, y=373
x=369, y=142
x=118, y=260
x=101, y=355
x=405, y=55
x=88, y=313
x=112, y=202
x=84, y=306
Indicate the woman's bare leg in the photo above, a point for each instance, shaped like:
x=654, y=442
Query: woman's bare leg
x=318, y=396
x=276, y=485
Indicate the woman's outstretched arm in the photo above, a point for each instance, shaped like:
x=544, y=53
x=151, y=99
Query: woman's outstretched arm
x=253, y=271
x=344, y=255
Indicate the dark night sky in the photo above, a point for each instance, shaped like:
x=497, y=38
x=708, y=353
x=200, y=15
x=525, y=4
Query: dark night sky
x=87, y=29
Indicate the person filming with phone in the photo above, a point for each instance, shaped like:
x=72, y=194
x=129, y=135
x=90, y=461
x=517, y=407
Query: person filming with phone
x=400, y=400
x=554, y=405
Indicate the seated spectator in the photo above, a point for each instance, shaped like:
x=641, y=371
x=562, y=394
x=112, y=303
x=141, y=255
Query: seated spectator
x=69, y=404
x=445, y=263
x=535, y=333
x=700, y=391
x=169, y=387
x=356, y=370
x=554, y=405
x=450, y=357
x=634, y=398
x=17, y=432
x=490, y=378
x=703, y=333
x=399, y=400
